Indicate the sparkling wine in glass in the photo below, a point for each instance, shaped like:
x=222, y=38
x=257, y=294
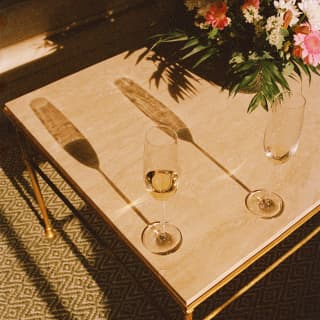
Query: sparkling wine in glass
x=161, y=177
x=281, y=141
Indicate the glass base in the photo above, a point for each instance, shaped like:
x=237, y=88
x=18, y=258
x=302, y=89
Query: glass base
x=158, y=241
x=265, y=204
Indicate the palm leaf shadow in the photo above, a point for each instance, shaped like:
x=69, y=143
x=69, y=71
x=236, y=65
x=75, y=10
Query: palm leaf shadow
x=178, y=78
x=74, y=142
x=170, y=71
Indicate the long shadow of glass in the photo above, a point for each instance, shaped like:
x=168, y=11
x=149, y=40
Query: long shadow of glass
x=73, y=142
x=161, y=114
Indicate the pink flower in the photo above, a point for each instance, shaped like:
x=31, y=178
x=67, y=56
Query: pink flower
x=309, y=44
x=251, y=3
x=216, y=16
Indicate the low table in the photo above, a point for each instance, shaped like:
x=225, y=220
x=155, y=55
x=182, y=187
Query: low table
x=91, y=127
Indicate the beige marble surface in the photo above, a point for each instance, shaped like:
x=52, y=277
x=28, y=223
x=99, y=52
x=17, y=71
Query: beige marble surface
x=219, y=234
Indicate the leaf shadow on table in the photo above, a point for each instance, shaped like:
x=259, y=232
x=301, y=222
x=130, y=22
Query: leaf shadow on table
x=179, y=75
x=75, y=143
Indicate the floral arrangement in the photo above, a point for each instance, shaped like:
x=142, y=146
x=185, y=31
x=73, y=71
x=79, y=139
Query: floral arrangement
x=262, y=41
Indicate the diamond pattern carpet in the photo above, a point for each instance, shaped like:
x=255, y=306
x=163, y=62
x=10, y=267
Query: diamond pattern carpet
x=87, y=273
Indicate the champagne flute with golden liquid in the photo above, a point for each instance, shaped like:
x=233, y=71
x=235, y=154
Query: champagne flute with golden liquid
x=161, y=177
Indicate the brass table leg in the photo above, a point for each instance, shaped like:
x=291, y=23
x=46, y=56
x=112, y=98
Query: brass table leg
x=36, y=189
x=188, y=315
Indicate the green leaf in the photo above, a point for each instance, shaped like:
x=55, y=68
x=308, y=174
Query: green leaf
x=212, y=34
x=175, y=39
x=190, y=43
x=288, y=69
x=270, y=91
x=254, y=103
x=195, y=50
x=242, y=67
x=205, y=57
x=168, y=38
x=304, y=68
x=233, y=89
x=297, y=69
x=249, y=80
x=157, y=36
x=315, y=70
x=263, y=102
x=278, y=76
x=155, y=44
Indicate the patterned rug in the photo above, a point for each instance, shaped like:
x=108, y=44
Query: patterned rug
x=87, y=273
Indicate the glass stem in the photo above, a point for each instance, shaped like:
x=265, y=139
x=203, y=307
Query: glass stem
x=276, y=176
x=163, y=221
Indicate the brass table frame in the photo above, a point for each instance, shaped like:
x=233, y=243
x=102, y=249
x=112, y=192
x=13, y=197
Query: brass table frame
x=188, y=311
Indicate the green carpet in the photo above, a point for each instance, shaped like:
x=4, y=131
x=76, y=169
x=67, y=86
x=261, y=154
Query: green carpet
x=87, y=273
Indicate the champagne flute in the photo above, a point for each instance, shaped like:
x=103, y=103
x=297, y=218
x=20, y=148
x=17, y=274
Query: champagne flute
x=161, y=175
x=281, y=141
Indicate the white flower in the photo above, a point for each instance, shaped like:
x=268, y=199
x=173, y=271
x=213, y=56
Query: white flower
x=288, y=5
x=251, y=14
x=276, y=39
x=274, y=22
x=273, y=28
x=311, y=8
